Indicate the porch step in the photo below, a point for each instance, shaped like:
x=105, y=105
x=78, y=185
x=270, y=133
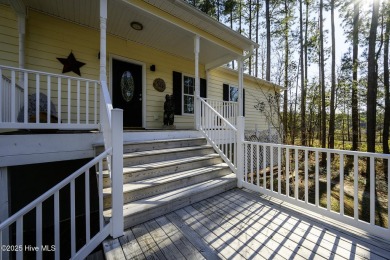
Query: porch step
x=144, y=157
x=139, y=211
x=151, y=170
x=139, y=146
x=149, y=187
x=163, y=175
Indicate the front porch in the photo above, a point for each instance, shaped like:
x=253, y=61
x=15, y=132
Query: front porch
x=240, y=224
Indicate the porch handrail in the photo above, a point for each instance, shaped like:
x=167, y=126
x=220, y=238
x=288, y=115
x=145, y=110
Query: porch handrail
x=104, y=229
x=227, y=109
x=105, y=114
x=298, y=177
x=219, y=132
x=70, y=102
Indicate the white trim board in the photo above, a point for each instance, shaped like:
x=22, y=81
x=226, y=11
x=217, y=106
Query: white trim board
x=41, y=148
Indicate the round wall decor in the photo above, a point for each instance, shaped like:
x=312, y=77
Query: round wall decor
x=159, y=84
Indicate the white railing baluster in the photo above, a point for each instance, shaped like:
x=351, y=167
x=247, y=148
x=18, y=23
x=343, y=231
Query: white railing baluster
x=271, y=166
x=78, y=102
x=287, y=172
x=296, y=175
x=59, y=90
x=69, y=100
x=100, y=189
x=48, y=99
x=341, y=184
x=257, y=165
x=37, y=98
x=306, y=177
x=328, y=181
x=25, y=95
x=72, y=218
x=19, y=237
x=264, y=166
x=13, y=97
x=317, y=180
x=355, y=187
x=39, y=230
x=246, y=163
x=87, y=209
x=251, y=171
x=279, y=169
x=57, y=224
x=372, y=190
x=87, y=102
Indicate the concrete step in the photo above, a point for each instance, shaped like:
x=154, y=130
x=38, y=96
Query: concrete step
x=145, y=157
x=150, y=187
x=143, y=210
x=156, y=169
x=132, y=147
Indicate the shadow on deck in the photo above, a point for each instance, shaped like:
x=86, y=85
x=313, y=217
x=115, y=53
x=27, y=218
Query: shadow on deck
x=240, y=224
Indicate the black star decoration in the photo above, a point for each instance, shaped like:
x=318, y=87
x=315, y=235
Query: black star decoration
x=71, y=64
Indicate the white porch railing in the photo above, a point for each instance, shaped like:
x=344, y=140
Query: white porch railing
x=227, y=109
x=73, y=112
x=40, y=100
x=6, y=97
x=91, y=240
x=300, y=179
x=219, y=132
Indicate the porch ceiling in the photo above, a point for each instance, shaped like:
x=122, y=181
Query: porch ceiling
x=158, y=32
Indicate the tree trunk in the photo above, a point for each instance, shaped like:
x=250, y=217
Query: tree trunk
x=372, y=80
x=355, y=48
x=333, y=86
x=322, y=84
x=303, y=82
x=286, y=60
x=250, y=33
x=386, y=120
x=257, y=39
x=268, y=26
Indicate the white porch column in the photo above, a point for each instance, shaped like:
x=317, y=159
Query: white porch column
x=197, y=83
x=103, y=40
x=240, y=86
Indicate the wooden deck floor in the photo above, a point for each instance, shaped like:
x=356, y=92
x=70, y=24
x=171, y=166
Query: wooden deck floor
x=242, y=225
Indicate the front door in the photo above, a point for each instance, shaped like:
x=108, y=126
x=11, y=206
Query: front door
x=127, y=91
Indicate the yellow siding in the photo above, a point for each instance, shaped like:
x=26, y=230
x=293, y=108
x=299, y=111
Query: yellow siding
x=255, y=90
x=8, y=37
x=48, y=38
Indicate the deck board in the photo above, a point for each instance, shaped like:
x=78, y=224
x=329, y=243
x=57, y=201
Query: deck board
x=238, y=224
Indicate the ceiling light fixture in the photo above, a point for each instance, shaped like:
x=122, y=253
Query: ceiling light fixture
x=136, y=26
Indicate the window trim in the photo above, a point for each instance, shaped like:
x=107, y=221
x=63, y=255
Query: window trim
x=182, y=94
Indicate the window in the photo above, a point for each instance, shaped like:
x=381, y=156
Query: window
x=233, y=93
x=188, y=94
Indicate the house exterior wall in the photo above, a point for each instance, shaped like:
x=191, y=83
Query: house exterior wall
x=48, y=38
x=256, y=90
x=8, y=37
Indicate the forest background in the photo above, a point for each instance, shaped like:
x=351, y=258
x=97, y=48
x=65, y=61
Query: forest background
x=332, y=58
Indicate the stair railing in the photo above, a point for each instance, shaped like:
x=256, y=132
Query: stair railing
x=91, y=240
x=220, y=133
x=111, y=122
